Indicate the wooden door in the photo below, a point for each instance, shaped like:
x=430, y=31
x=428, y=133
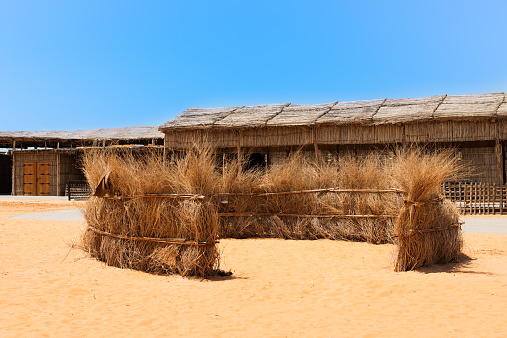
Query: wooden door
x=30, y=178
x=43, y=178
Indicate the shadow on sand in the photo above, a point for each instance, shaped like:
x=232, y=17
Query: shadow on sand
x=464, y=265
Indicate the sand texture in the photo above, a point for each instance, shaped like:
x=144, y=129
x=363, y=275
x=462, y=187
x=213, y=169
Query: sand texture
x=279, y=288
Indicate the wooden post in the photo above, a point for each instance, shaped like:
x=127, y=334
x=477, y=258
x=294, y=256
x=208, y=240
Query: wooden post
x=13, y=174
x=500, y=161
x=165, y=150
x=58, y=174
x=501, y=199
x=470, y=197
x=404, y=140
x=58, y=145
x=494, y=198
x=238, y=150
x=14, y=145
x=315, y=145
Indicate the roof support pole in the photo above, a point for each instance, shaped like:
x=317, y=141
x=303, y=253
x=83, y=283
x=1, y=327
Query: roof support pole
x=500, y=160
x=315, y=145
x=13, y=144
x=404, y=140
x=13, y=189
x=164, y=155
x=238, y=146
x=500, y=157
x=58, y=174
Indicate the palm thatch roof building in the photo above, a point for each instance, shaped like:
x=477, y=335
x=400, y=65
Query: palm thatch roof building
x=474, y=124
x=44, y=162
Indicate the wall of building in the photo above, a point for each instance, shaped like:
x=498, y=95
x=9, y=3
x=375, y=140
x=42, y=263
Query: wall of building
x=69, y=171
x=63, y=167
x=479, y=157
x=21, y=157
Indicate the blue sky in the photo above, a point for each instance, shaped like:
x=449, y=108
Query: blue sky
x=70, y=65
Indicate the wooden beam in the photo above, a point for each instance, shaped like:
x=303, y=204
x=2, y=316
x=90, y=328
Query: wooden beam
x=500, y=160
x=13, y=174
x=404, y=140
x=315, y=145
x=58, y=174
x=238, y=150
x=165, y=149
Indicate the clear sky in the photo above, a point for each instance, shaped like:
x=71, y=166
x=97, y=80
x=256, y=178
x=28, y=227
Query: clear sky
x=85, y=64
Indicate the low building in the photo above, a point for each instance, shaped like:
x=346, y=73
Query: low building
x=475, y=125
x=42, y=163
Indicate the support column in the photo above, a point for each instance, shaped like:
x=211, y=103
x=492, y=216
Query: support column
x=58, y=174
x=165, y=150
x=238, y=150
x=13, y=174
x=315, y=145
x=404, y=140
x=500, y=160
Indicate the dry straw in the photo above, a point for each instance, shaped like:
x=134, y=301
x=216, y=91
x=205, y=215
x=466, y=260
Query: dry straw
x=428, y=227
x=303, y=214
x=159, y=235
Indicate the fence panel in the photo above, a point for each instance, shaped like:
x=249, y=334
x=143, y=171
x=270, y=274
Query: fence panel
x=474, y=198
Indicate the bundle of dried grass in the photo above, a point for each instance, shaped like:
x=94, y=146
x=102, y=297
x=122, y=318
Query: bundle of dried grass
x=134, y=227
x=428, y=226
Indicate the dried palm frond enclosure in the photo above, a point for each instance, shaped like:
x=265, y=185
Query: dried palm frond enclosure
x=166, y=216
x=153, y=217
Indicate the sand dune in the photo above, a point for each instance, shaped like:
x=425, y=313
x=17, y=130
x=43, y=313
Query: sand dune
x=279, y=288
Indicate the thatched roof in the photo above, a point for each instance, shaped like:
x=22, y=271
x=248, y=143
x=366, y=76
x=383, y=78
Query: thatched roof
x=83, y=137
x=371, y=112
x=128, y=133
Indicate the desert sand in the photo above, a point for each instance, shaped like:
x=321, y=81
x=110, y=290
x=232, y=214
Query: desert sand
x=278, y=288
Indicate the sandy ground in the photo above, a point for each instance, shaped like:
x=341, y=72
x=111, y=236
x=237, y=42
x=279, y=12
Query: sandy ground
x=279, y=288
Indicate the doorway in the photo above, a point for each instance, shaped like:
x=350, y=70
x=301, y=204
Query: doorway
x=36, y=178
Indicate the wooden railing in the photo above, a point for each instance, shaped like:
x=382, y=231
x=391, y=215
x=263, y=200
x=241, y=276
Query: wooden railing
x=78, y=190
x=477, y=198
